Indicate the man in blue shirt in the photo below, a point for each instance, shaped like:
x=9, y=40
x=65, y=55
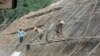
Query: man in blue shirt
x=21, y=35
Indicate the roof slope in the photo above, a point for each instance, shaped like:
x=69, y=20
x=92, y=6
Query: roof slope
x=82, y=20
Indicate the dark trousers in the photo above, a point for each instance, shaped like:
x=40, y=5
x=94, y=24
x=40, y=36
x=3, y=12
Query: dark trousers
x=59, y=29
x=21, y=39
x=41, y=35
x=27, y=47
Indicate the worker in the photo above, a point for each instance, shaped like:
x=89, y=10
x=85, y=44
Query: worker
x=28, y=46
x=59, y=27
x=21, y=35
x=40, y=32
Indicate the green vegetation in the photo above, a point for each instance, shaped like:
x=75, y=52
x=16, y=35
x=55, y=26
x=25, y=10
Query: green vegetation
x=23, y=7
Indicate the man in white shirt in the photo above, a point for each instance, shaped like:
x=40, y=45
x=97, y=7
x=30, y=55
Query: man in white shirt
x=40, y=32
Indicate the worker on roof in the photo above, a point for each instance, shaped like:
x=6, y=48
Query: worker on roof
x=40, y=32
x=59, y=27
x=28, y=46
x=21, y=35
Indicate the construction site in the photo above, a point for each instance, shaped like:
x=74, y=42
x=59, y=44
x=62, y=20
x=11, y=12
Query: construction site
x=80, y=33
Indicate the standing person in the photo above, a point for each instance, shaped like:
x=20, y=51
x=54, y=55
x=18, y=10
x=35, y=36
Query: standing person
x=40, y=32
x=59, y=27
x=21, y=35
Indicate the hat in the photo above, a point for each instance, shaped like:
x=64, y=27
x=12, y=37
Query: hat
x=62, y=22
x=20, y=28
x=35, y=28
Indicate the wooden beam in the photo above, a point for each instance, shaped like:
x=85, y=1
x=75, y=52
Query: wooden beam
x=93, y=50
x=45, y=12
x=28, y=29
x=50, y=41
x=93, y=37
